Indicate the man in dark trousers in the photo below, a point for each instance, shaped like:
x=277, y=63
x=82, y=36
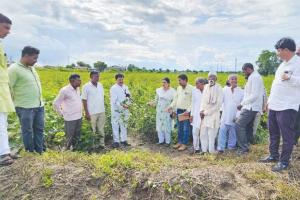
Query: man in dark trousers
x=283, y=105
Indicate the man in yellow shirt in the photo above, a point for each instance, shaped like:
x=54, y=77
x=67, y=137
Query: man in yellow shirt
x=6, y=104
x=182, y=104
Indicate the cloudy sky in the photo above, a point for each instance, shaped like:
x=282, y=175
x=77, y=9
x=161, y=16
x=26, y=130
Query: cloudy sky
x=174, y=34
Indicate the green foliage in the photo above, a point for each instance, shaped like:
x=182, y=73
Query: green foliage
x=100, y=66
x=260, y=175
x=111, y=165
x=47, y=179
x=267, y=62
x=71, y=66
x=83, y=64
x=288, y=191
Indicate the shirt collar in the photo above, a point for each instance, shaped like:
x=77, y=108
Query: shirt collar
x=292, y=60
x=21, y=65
x=93, y=84
x=71, y=87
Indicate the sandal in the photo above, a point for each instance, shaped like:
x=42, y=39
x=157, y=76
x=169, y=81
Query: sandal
x=6, y=160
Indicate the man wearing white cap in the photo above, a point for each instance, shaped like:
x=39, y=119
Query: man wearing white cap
x=210, y=113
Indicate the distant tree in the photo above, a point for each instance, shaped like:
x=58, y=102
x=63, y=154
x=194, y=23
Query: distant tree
x=100, y=66
x=132, y=67
x=83, y=64
x=267, y=62
x=71, y=66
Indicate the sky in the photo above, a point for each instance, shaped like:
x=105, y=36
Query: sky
x=173, y=34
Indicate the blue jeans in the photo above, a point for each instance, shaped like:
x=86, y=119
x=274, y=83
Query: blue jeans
x=183, y=129
x=32, y=128
x=229, y=138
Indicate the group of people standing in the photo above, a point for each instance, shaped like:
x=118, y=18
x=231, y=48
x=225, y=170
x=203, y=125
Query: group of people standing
x=220, y=118
x=70, y=104
x=21, y=92
x=227, y=118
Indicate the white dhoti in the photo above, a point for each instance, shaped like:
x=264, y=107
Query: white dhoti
x=4, y=147
x=196, y=138
x=208, y=138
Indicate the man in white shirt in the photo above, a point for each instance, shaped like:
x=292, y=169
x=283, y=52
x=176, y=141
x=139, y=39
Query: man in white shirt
x=232, y=98
x=93, y=104
x=195, y=113
x=283, y=104
x=120, y=102
x=250, y=106
x=211, y=103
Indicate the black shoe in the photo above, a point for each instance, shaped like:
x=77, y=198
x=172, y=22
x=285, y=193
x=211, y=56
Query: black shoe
x=116, y=145
x=167, y=144
x=160, y=143
x=197, y=152
x=126, y=144
x=194, y=152
x=220, y=151
x=269, y=159
x=279, y=167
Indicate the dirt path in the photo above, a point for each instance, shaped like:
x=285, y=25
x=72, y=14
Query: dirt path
x=184, y=177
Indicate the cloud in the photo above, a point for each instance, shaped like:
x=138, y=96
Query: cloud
x=182, y=34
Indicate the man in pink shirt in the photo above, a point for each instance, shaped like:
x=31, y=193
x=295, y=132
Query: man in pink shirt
x=68, y=104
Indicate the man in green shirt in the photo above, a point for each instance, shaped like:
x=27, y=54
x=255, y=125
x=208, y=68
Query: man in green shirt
x=27, y=97
x=6, y=104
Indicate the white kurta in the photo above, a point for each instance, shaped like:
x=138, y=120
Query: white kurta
x=196, y=103
x=119, y=115
x=211, y=110
x=253, y=93
x=231, y=100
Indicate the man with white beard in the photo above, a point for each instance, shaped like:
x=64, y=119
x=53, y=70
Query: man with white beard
x=210, y=113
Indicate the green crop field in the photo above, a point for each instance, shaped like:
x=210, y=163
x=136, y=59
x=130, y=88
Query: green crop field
x=142, y=86
x=146, y=170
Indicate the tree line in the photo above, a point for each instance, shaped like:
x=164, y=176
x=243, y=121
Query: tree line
x=267, y=63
